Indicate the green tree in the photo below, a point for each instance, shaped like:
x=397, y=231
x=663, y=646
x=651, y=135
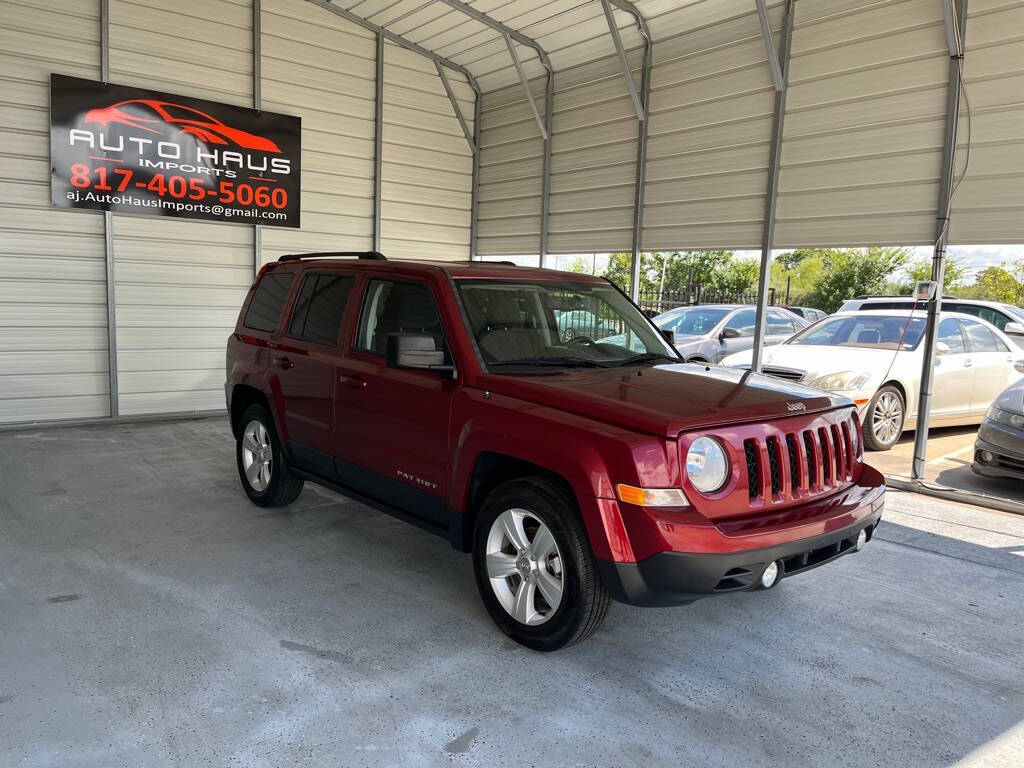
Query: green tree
x=846, y=273
x=921, y=269
x=999, y=284
x=737, y=276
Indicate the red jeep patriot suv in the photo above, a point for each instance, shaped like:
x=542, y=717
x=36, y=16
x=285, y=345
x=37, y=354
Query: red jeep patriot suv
x=540, y=421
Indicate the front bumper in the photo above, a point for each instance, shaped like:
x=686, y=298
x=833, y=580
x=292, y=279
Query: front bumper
x=678, y=578
x=1006, y=445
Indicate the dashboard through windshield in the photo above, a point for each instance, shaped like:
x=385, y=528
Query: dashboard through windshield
x=543, y=324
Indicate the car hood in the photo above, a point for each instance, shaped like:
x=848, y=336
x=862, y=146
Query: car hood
x=819, y=360
x=666, y=399
x=1012, y=398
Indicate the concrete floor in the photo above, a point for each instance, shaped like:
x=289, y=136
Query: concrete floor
x=149, y=615
x=950, y=452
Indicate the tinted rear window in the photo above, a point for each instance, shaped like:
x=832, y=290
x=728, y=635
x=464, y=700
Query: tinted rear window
x=320, y=307
x=268, y=301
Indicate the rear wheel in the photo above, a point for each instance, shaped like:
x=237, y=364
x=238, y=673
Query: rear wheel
x=534, y=567
x=262, y=465
x=883, y=420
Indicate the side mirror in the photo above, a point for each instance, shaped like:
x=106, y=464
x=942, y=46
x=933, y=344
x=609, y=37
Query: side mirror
x=417, y=351
x=729, y=333
x=942, y=348
x=670, y=336
x=1014, y=329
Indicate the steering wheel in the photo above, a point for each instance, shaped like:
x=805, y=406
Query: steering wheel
x=579, y=340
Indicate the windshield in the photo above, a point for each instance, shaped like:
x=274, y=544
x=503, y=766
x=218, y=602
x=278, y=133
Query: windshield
x=872, y=332
x=549, y=323
x=693, y=321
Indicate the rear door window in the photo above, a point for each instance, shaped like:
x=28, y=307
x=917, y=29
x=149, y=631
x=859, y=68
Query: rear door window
x=778, y=324
x=320, y=307
x=981, y=338
x=264, y=311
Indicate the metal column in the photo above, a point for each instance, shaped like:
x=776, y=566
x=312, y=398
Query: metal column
x=108, y=232
x=378, y=141
x=257, y=104
x=474, y=205
x=956, y=61
x=545, y=179
x=771, y=198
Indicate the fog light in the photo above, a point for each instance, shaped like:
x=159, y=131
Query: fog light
x=770, y=575
x=862, y=539
x=986, y=457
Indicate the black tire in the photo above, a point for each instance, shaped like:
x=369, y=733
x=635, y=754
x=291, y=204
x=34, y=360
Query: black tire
x=584, y=600
x=284, y=486
x=884, y=397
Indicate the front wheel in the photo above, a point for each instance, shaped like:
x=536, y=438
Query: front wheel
x=883, y=420
x=262, y=465
x=534, y=567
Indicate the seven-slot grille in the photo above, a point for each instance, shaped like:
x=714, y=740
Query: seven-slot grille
x=788, y=465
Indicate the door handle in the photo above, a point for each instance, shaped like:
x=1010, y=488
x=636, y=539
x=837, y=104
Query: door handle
x=352, y=381
x=283, y=362
x=968, y=363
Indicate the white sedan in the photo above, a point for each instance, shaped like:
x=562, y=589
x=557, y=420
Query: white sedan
x=875, y=357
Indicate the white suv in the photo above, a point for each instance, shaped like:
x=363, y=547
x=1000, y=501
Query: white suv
x=1006, y=317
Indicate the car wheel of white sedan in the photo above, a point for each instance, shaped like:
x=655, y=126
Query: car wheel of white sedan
x=883, y=420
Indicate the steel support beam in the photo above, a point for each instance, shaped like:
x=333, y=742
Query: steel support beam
x=769, y=45
x=613, y=30
x=474, y=205
x=641, y=147
x=378, y=141
x=511, y=34
x=397, y=39
x=771, y=198
x=456, y=107
x=541, y=125
x=257, y=104
x=954, y=94
x=108, y=234
x=954, y=37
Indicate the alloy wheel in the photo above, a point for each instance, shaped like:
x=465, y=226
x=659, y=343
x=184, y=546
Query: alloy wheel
x=524, y=566
x=257, y=455
x=887, y=418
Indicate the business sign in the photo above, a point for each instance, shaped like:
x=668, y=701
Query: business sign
x=132, y=150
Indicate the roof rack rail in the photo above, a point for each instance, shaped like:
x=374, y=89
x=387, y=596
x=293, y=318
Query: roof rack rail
x=506, y=263
x=371, y=255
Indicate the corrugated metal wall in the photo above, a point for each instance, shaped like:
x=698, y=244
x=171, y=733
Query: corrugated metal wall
x=53, y=317
x=179, y=282
x=709, y=143
x=322, y=69
x=427, y=173
x=511, y=167
x=989, y=206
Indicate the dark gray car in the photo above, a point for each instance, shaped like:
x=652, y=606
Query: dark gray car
x=709, y=332
x=999, y=449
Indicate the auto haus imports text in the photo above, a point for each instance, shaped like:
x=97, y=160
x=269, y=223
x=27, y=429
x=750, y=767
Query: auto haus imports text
x=173, y=156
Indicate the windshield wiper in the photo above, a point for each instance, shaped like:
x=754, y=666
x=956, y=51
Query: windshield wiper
x=647, y=357
x=561, y=362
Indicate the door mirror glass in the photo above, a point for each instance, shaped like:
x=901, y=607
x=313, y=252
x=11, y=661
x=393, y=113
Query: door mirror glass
x=729, y=333
x=1017, y=329
x=415, y=350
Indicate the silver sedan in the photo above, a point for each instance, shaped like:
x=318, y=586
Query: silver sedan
x=709, y=332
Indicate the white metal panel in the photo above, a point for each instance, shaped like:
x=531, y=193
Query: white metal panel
x=427, y=163
x=862, y=143
x=53, y=326
x=989, y=205
x=710, y=130
x=511, y=166
x=322, y=68
x=190, y=276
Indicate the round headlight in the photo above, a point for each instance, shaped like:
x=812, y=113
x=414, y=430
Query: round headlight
x=707, y=465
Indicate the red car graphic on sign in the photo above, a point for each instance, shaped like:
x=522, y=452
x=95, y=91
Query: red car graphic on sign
x=147, y=114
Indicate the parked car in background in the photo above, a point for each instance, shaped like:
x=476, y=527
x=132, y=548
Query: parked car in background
x=575, y=472
x=1006, y=317
x=709, y=332
x=874, y=357
x=580, y=322
x=999, y=449
x=809, y=314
